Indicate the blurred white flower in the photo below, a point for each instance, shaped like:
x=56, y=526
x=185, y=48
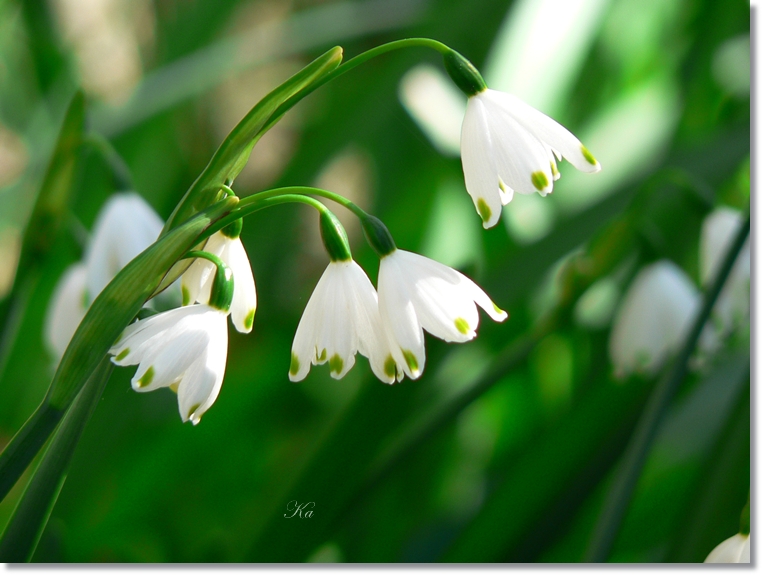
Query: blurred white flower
x=67, y=308
x=736, y=549
x=417, y=293
x=653, y=319
x=184, y=349
x=125, y=226
x=340, y=319
x=507, y=146
x=197, y=280
x=731, y=310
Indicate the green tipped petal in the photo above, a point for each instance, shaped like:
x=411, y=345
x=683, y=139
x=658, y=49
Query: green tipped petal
x=539, y=180
x=589, y=157
x=336, y=363
x=294, y=369
x=484, y=210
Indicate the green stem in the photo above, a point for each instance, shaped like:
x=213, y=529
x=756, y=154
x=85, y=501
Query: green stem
x=277, y=196
x=618, y=498
x=25, y=528
x=18, y=454
x=351, y=64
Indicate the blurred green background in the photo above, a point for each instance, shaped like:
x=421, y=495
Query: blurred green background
x=505, y=449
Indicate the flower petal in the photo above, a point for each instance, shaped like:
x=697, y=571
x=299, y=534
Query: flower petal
x=547, y=130
x=479, y=168
x=66, y=309
x=244, y=303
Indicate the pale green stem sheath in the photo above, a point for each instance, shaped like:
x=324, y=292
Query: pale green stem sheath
x=351, y=64
x=618, y=499
x=221, y=295
x=23, y=532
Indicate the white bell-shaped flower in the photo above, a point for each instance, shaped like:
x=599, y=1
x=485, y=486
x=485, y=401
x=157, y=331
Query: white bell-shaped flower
x=125, y=226
x=653, y=319
x=340, y=319
x=507, y=146
x=197, y=280
x=736, y=549
x=67, y=308
x=731, y=310
x=417, y=293
x=184, y=349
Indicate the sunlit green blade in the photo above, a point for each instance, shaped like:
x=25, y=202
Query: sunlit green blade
x=22, y=534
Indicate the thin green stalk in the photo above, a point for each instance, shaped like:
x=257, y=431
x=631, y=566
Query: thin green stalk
x=23, y=532
x=277, y=196
x=18, y=454
x=618, y=499
x=351, y=64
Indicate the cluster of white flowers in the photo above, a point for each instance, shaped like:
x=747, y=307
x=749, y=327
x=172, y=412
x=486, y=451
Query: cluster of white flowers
x=346, y=315
x=506, y=147
x=660, y=304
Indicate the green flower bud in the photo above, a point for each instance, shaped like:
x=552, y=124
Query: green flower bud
x=464, y=73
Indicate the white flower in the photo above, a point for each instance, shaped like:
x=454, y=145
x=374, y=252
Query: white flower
x=67, y=308
x=197, y=280
x=653, y=319
x=417, y=293
x=507, y=146
x=184, y=349
x=717, y=233
x=340, y=319
x=736, y=549
x=125, y=226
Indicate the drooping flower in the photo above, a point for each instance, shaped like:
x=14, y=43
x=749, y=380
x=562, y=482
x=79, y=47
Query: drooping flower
x=416, y=293
x=340, y=319
x=731, y=310
x=507, y=146
x=67, y=308
x=125, y=226
x=736, y=549
x=653, y=319
x=198, y=279
x=184, y=349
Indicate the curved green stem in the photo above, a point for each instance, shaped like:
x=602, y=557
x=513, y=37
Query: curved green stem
x=634, y=458
x=277, y=196
x=353, y=63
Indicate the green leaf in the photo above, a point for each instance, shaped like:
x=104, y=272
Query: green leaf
x=109, y=314
x=25, y=528
x=544, y=470
x=45, y=222
x=232, y=155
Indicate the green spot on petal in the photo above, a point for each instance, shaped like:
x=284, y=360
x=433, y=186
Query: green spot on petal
x=553, y=169
x=248, y=321
x=336, y=363
x=410, y=359
x=497, y=309
x=390, y=366
x=322, y=356
x=462, y=325
x=123, y=354
x=175, y=386
x=539, y=180
x=483, y=209
x=294, y=369
x=588, y=156
x=147, y=377
x=186, y=296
